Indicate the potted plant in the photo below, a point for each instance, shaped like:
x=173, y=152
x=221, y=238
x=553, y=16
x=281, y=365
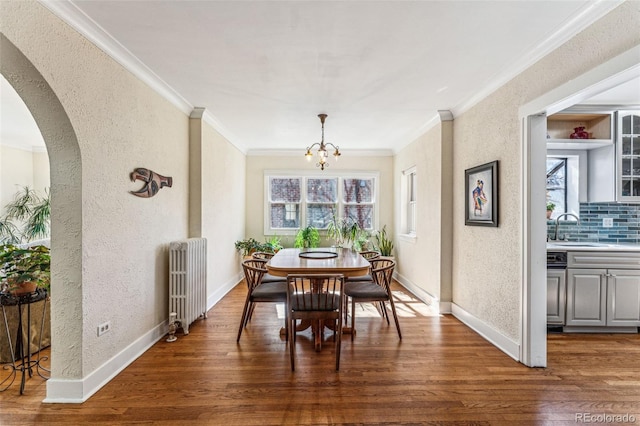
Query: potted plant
x=550, y=207
x=25, y=270
x=274, y=244
x=343, y=230
x=30, y=209
x=247, y=247
x=384, y=243
x=308, y=237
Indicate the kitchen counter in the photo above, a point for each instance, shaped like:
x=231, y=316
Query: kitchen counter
x=591, y=246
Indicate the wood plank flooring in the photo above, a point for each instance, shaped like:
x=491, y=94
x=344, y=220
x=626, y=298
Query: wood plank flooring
x=440, y=373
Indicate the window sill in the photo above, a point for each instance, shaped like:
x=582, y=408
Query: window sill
x=410, y=238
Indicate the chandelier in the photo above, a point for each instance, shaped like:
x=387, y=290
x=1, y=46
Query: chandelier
x=323, y=155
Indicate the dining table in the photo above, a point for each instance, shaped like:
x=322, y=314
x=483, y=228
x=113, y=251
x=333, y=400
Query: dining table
x=325, y=260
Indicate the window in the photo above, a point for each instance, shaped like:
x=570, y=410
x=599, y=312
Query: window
x=557, y=184
x=299, y=199
x=284, y=202
x=409, y=196
x=411, y=209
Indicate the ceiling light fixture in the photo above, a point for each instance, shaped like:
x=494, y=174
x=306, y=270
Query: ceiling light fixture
x=322, y=148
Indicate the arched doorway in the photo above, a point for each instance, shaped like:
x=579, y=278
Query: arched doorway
x=66, y=219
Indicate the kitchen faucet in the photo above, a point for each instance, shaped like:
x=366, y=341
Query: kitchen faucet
x=555, y=234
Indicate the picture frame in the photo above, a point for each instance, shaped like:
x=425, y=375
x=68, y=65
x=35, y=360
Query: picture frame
x=481, y=195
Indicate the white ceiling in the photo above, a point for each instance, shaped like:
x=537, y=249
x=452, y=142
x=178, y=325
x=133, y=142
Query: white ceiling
x=380, y=69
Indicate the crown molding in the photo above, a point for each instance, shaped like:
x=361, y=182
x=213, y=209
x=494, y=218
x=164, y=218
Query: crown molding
x=572, y=27
x=92, y=31
x=28, y=148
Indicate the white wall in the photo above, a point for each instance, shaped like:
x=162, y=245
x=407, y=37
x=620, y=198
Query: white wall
x=256, y=165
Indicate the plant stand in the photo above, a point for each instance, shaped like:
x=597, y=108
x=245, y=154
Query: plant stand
x=21, y=361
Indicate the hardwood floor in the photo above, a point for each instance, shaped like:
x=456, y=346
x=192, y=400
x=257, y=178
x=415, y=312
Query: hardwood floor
x=440, y=373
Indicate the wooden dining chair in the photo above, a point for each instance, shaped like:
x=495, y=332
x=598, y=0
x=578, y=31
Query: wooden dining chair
x=259, y=290
x=369, y=255
x=268, y=278
x=319, y=298
x=376, y=290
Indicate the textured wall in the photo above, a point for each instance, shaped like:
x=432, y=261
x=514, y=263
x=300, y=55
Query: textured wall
x=120, y=124
x=487, y=261
x=256, y=165
x=223, y=208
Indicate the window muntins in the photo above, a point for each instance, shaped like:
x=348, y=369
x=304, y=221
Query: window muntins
x=297, y=199
x=284, y=199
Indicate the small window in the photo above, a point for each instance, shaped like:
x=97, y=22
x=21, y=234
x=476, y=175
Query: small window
x=412, y=191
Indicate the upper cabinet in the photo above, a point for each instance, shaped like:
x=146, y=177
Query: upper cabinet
x=628, y=142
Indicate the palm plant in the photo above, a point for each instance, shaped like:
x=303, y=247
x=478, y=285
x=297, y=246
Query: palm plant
x=26, y=218
x=343, y=230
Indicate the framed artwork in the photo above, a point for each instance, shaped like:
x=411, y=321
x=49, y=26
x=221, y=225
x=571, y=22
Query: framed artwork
x=481, y=195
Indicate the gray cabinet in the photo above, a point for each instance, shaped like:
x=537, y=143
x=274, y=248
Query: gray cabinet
x=623, y=298
x=556, y=296
x=586, y=297
x=600, y=296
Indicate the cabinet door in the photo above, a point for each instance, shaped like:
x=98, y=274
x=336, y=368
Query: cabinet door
x=623, y=298
x=586, y=297
x=556, y=296
x=628, y=142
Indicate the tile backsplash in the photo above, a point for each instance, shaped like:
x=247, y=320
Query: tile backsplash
x=626, y=224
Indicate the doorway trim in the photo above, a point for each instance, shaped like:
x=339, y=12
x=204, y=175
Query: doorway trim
x=622, y=68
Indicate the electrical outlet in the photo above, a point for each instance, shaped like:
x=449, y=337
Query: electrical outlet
x=105, y=327
x=607, y=222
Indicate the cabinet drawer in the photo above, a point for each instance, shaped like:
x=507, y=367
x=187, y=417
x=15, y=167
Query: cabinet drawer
x=591, y=259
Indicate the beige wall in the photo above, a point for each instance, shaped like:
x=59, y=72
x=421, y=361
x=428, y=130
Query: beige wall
x=121, y=263
x=487, y=261
x=256, y=165
x=423, y=262
x=223, y=209
x=20, y=168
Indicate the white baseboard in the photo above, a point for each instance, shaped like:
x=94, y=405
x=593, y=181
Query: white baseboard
x=78, y=391
x=499, y=340
x=225, y=288
x=420, y=293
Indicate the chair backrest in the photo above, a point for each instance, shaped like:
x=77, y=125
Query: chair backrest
x=314, y=292
x=369, y=254
x=382, y=272
x=262, y=255
x=254, y=270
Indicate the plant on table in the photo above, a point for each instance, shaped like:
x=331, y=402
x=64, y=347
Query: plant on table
x=343, y=230
x=24, y=270
x=308, y=237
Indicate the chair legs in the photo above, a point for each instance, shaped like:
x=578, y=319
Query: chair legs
x=383, y=312
x=245, y=314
